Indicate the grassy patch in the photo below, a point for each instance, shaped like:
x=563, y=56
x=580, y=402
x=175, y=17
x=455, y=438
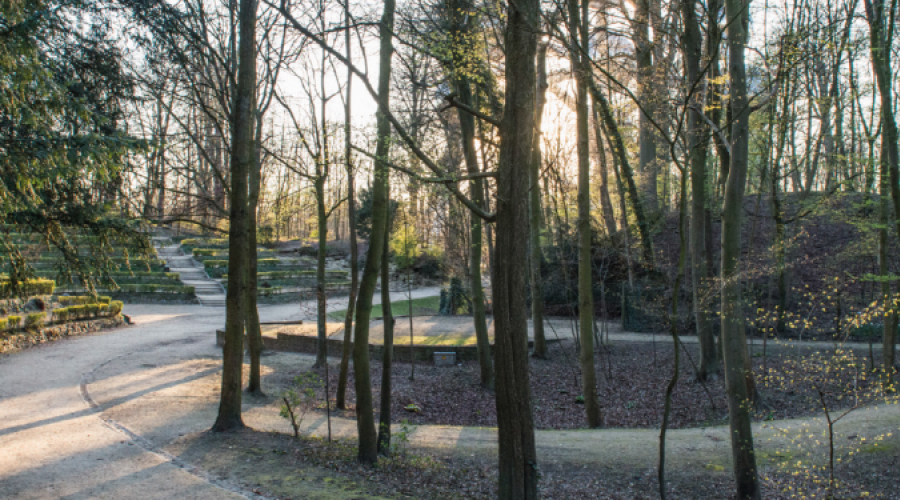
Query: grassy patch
x=426, y=306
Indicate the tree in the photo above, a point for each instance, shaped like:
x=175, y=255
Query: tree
x=518, y=457
x=229, y=416
x=734, y=344
x=62, y=138
x=537, y=291
x=696, y=133
x=578, y=52
x=881, y=29
x=365, y=424
x=461, y=32
x=351, y=220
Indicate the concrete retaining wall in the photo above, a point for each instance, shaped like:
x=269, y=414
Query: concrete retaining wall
x=15, y=341
x=306, y=344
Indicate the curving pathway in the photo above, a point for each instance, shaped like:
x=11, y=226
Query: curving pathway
x=106, y=416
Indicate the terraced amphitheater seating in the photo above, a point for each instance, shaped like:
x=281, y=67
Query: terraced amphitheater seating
x=139, y=278
x=208, y=291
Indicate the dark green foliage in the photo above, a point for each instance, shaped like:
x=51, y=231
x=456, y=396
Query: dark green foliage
x=364, y=213
x=455, y=299
x=27, y=288
x=152, y=288
x=35, y=320
x=61, y=141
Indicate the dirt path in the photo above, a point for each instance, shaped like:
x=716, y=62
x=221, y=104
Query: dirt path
x=155, y=387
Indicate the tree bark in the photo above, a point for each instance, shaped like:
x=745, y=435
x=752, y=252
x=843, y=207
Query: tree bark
x=254, y=332
x=365, y=421
x=351, y=220
x=734, y=342
x=609, y=216
x=580, y=67
x=881, y=28
x=696, y=133
x=621, y=154
x=387, y=360
x=534, y=173
x=322, y=225
x=229, y=415
x=518, y=475
x=460, y=28
x=647, y=135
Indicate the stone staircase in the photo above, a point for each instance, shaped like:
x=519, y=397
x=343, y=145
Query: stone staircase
x=208, y=291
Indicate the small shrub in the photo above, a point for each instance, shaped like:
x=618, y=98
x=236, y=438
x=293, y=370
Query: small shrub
x=300, y=399
x=115, y=307
x=3, y=323
x=92, y=309
x=77, y=312
x=74, y=300
x=27, y=288
x=104, y=299
x=61, y=314
x=13, y=322
x=35, y=320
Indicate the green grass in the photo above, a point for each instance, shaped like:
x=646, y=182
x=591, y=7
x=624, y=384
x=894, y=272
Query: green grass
x=426, y=306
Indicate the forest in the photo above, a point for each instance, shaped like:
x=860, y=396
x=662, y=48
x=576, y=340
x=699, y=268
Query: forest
x=659, y=217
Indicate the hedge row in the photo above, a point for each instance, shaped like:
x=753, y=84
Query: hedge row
x=120, y=275
x=28, y=288
x=214, y=252
x=152, y=287
x=32, y=321
x=210, y=243
x=224, y=263
x=87, y=311
x=284, y=275
x=83, y=299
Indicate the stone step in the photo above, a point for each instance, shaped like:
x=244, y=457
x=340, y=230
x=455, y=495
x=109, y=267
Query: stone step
x=180, y=259
x=204, y=289
x=212, y=300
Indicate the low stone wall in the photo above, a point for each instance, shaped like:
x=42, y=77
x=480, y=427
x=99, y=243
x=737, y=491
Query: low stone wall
x=286, y=342
x=15, y=341
x=153, y=298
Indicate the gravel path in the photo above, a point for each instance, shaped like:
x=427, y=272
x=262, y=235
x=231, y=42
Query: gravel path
x=105, y=416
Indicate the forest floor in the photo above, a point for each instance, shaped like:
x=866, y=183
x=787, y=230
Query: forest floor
x=154, y=387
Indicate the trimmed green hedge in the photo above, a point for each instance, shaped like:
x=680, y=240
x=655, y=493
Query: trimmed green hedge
x=284, y=275
x=151, y=287
x=83, y=299
x=224, y=263
x=12, y=322
x=28, y=288
x=210, y=243
x=35, y=320
x=88, y=311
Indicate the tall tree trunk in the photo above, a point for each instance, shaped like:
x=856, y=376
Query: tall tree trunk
x=322, y=225
x=351, y=220
x=387, y=359
x=229, y=416
x=889, y=340
x=621, y=154
x=517, y=454
x=696, y=133
x=647, y=135
x=365, y=420
x=460, y=28
x=734, y=344
x=534, y=175
x=609, y=216
x=254, y=332
x=881, y=28
x=580, y=66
